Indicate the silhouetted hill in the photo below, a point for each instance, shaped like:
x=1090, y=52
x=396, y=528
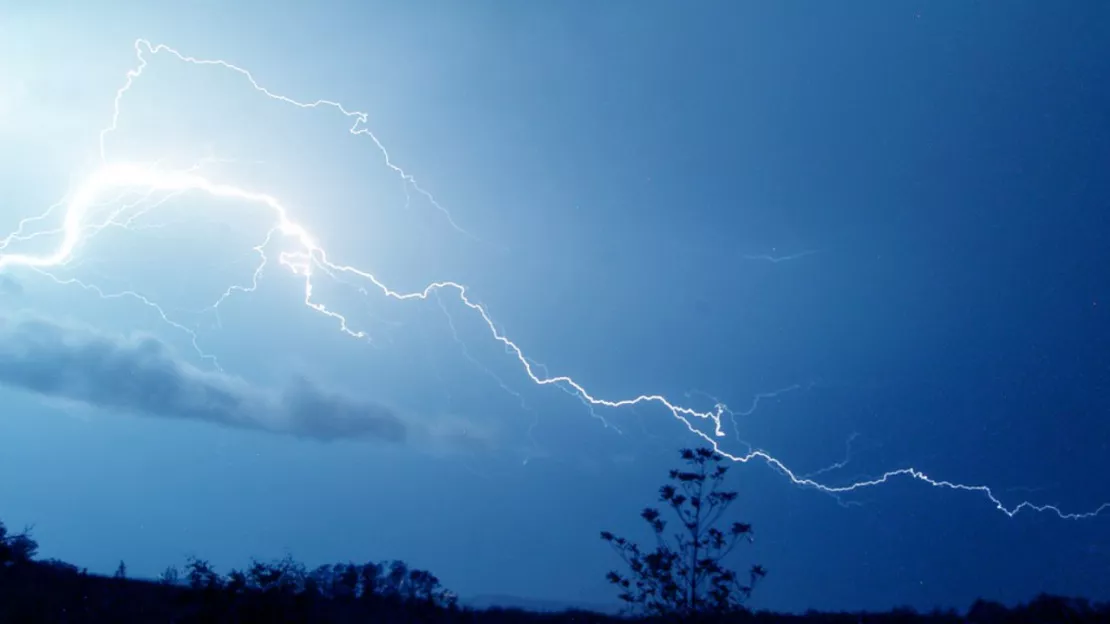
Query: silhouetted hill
x=56, y=592
x=285, y=591
x=488, y=601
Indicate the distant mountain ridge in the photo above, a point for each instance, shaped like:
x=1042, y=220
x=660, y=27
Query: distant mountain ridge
x=486, y=601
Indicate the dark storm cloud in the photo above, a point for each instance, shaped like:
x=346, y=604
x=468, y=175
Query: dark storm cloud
x=142, y=375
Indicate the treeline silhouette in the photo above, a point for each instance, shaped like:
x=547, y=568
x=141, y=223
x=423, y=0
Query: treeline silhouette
x=682, y=579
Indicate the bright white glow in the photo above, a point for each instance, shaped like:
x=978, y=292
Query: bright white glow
x=309, y=257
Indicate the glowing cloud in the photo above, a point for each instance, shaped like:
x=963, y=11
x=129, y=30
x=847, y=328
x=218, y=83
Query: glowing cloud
x=307, y=258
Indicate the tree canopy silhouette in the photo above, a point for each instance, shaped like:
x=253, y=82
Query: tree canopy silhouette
x=685, y=574
x=16, y=548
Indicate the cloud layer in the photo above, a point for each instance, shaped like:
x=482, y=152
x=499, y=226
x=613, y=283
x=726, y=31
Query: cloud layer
x=142, y=375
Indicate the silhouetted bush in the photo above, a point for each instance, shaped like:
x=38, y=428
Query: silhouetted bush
x=685, y=574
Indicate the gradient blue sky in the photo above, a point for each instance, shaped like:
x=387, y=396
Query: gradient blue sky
x=622, y=169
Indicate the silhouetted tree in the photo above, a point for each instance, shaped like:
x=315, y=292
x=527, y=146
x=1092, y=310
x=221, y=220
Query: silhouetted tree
x=285, y=576
x=987, y=612
x=237, y=582
x=200, y=575
x=316, y=584
x=121, y=571
x=1047, y=608
x=17, y=548
x=685, y=574
x=345, y=581
x=424, y=587
x=394, y=579
x=370, y=580
x=170, y=576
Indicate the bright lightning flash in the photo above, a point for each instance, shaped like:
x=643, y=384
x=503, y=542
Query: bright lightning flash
x=309, y=257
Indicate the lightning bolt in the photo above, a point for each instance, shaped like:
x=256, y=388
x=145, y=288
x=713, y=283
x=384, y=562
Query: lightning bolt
x=496, y=378
x=777, y=259
x=308, y=258
x=836, y=465
x=358, y=119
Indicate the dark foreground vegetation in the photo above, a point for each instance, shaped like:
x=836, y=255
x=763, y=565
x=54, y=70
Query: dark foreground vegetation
x=684, y=578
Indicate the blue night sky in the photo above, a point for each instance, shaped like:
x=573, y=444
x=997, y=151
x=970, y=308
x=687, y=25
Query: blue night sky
x=882, y=223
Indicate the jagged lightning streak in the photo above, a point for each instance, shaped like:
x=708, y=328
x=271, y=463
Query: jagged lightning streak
x=496, y=378
x=310, y=257
x=358, y=124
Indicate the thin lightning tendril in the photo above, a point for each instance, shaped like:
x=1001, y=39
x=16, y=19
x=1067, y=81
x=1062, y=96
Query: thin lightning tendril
x=130, y=294
x=496, y=378
x=310, y=257
x=836, y=465
x=777, y=259
x=358, y=126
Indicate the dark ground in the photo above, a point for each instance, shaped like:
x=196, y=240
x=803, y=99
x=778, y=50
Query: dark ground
x=56, y=592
